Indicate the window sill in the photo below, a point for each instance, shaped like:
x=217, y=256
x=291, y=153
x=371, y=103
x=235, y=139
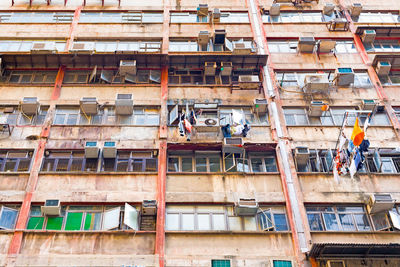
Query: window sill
x=358, y=173
x=337, y=126
x=14, y=173
x=87, y=232
x=355, y=232
x=101, y=125
x=301, y=23
x=224, y=232
x=222, y=173
x=98, y=173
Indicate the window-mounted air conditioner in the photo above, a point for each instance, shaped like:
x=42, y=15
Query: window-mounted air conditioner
x=202, y=10
x=306, y=44
x=203, y=38
x=368, y=36
x=207, y=125
x=43, y=47
x=219, y=37
x=51, y=207
x=246, y=207
x=109, y=150
x=149, y=207
x=368, y=104
x=210, y=68
x=275, y=10
x=216, y=15
x=127, y=66
x=356, y=9
x=84, y=48
x=379, y=203
x=30, y=105
x=344, y=76
x=317, y=82
x=335, y=263
x=124, y=104
x=326, y=46
x=338, y=24
x=91, y=150
x=328, y=9
x=89, y=105
x=383, y=67
x=249, y=81
x=232, y=145
x=316, y=108
x=240, y=48
x=226, y=68
x=260, y=106
x=302, y=155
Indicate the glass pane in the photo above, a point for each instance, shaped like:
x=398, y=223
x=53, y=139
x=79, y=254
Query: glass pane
x=201, y=164
x=74, y=221
x=8, y=218
x=92, y=221
x=76, y=165
x=315, y=222
x=215, y=164
x=218, y=221
x=23, y=165
x=172, y=222
x=331, y=223
x=280, y=263
x=187, y=221
x=151, y=165
x=362, y=222
x=256, y=165
x=10, y=165
x=173, y=164
x=54, y=223
x=270, y=165
x=250, y=224
x=62, y=165
x=35, y=223
x=347, y=222
x=280, y=222
x=204, y=221
x=187, y=165
x=235, y=223
x=137, y=165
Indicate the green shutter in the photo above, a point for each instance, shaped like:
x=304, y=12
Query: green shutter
x=35, y=223
x=92, y=221
x=279, y=263
x=220, y=263
x=74, y=221
x=54, y=223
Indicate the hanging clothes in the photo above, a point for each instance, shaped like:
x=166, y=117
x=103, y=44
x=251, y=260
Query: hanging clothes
x=226, y=131
x=357, y=135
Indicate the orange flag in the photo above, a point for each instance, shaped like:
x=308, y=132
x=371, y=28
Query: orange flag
x=358, y=135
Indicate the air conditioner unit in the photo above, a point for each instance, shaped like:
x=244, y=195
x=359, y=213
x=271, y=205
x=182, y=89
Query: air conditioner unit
x=275, y=10
x=260, y=106
x=368, y=36
x=30, y=105
x=383, y=67
x=216, y=15
x=240, y=48
x=328, y=9
x=316, y=108
x=355, y=9
x=316, y=83
x=249, y=81
x=326, y=46
x=283, y=1
x=84, y=48
x=210, y=68
x=202, y=10
x=379, y=203
x=338, y=24
x=226, y=68
x=246, y=207
x=127, y=66
x=207, y=125
x=302, y=155
x=149, y=207
x=232, y=145
x=91, y=150
x=335, y=263
x=124, y=104
x=306, y=44
x=203, y=38
x=344, y=76
x=43, y=47
x=219, y=37
x=109, y=150
x=89, y=105
x=368, y=104
x=51, y=207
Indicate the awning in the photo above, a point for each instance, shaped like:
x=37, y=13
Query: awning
x=340, y=250
x=394, y=60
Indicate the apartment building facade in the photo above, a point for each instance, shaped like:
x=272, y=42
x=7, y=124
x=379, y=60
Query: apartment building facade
x=199, y=133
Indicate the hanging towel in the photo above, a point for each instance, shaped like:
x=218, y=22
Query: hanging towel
x=358, y=135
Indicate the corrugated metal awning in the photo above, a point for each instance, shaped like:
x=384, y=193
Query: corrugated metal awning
x=354, y=250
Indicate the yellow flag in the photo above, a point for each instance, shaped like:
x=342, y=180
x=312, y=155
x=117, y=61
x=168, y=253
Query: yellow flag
x=358, y=135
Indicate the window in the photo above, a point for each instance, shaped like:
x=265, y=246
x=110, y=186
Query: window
x=220, y=263
x=338, y=218
x=290, y=46
x=15, y=160
x=320, y=160
x=295, y=17
x=281, y=263
x=234, y=17
x=141, y=116
x=8, y=216
x=83, y=218
x=392, y=79
x=252, y=118
x=383, y=46
x=333, y=116
x=377, y=17
x=36, y=17
x=130, y=161
x=220, y=218
x=13, y=116
x=121, y=17
x=179, y=45
x=272, y=219
x=30, y=77
x=25, y=46
x=68, y=161
x=186, y=17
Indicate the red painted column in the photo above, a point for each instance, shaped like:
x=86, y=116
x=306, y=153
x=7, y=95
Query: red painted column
x=72, y=29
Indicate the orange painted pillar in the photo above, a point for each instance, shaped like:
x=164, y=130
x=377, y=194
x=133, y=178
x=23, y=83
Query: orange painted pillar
x=72, y=28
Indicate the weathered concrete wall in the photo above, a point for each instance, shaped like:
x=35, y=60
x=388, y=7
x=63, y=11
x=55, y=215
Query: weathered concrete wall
x=5, y=239
x=120, y=31
x=223, y=188
x=26, y=30
x=286, y=30
x=12, y=94
x=353, y=237
x=192, y=30
x=12, y=187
